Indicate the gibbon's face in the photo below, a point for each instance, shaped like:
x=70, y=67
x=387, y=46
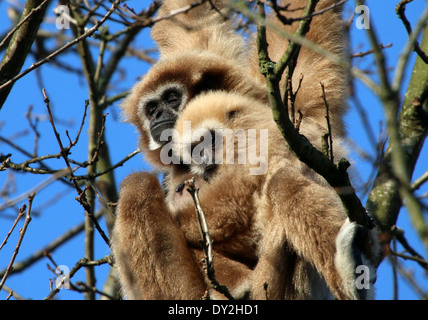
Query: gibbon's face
x=216, y=136
x=159, y=112
x=155, y=103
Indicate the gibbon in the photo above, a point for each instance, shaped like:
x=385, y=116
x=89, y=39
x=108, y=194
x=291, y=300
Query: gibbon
x=208, y=57
x=290, y=229
x=282, y=234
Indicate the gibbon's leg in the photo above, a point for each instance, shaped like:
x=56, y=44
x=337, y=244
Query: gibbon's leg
x=282, y=274
x=312, y=217
x=269, y=279
x=151, y=253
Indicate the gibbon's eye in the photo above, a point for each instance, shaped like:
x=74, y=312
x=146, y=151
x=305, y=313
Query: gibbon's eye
x=172, y=98
x=151, y=108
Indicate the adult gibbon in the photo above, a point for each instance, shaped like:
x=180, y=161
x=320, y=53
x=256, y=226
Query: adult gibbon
x=281, y=234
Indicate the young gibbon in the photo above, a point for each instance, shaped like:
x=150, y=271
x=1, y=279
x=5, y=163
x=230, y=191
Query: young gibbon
x=269, y=214
x=282, y=234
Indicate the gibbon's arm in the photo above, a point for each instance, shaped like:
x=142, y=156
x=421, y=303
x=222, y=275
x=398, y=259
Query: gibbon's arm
x=311, y=217
x=152, y=256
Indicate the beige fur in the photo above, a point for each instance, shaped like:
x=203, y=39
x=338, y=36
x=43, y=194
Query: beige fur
x=286, y=215
x=326, y=30
x=278, y=228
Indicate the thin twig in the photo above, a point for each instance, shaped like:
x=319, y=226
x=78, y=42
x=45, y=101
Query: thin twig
x=72, y=144
x=400, y=10
x=365, y=53
x=288, y=21
x=206, y=239
x=57, y=175
x=33, y=127
x=87, y=288
x=327, y=116
x=82, y=197
x=421, y=261
x=20, y=214
x=12, y=293
x=24, y=166
x=118, y=164
x=53, y=245
x=87, y=34
x=10, y=34
x=410, y=278
x=89, y=211
x=420, y=181
x=91, y=12
x=64, y=152
x=80, y=264
x=171, y=14
x=408, y=48
x=399, y=235
x=21, y=237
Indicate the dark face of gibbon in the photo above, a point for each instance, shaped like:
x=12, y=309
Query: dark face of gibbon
x=155, y=103
x=162, y=110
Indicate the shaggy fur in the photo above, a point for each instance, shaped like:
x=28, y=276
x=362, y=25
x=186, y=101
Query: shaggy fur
x=277, y=229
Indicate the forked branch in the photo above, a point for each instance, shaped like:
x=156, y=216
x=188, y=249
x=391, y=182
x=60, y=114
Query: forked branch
x=335, y=174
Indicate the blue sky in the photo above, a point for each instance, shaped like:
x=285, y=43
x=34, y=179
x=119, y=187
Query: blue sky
x=68, y=93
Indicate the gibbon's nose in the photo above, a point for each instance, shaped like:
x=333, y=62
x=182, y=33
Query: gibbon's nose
x=158, y=114
x=164, y=115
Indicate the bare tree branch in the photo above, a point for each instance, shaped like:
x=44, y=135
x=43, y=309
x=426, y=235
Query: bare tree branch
x=21, y=237
x=206, y=241
x=34, y=66
x=19, y=46
x=400, y=9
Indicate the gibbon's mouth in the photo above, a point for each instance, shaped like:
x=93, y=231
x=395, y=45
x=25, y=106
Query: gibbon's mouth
x=156, y=130
x=164, y=125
